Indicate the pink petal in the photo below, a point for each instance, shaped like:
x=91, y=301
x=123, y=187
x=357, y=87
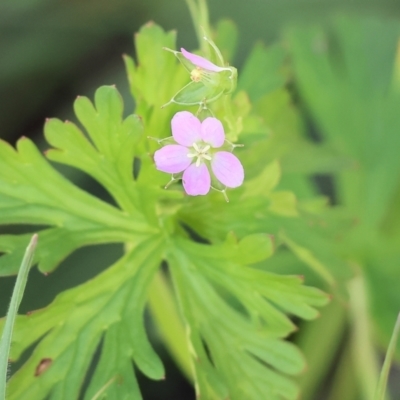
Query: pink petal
x=227, y=169
x=196, y=180
x=212, y=132
x=185, y=128
x=200, y=61
x=172, y=158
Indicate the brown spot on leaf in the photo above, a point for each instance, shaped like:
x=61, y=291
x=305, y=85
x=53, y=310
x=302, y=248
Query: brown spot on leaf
x=43, y=365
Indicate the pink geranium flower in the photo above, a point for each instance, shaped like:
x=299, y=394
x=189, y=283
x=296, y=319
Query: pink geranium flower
x=199, y=154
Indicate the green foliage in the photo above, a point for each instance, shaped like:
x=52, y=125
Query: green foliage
x=32, y=192
x=217, y=331
x=232, y=298
x=72, y=327
x=235, y=315
x=357, y=73
x=347, y=77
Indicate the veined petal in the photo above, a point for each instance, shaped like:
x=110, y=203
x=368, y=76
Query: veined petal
x=212, y=132
x=196, y=180
x=172, y=158
x=201, y=62
x=186, y=128
x=227, y=169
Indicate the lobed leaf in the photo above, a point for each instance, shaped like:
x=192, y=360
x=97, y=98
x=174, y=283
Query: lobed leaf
x=109, y=156
x=240, y=347
x=32, y=192
x=345, y=77
x=71, y=328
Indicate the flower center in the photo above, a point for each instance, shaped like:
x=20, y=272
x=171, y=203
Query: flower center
x=195, y=75
x=200, y=152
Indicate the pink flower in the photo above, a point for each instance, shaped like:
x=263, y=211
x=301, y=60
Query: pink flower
x=209, y=81
x=201, y=62
x=196, y=155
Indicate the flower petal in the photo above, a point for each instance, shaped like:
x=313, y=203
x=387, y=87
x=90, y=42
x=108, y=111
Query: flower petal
x=172, y=158
x=196, y=180
x=212, y=132
x=201, y=62
x=186, y=128
x=227, y=169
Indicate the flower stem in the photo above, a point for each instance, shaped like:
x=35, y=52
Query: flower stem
x=364, y=357
x=199, y=13
x=164, y=310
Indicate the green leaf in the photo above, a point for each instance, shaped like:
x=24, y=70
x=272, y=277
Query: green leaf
x=226, y=38
x=307, y=257
x=283, y=203
x=265, y=182
x=16, y=298
x=74, y=217
x=272, y=131
x=263, y=71
x=236, y=321
x=311, y=158
x=150, y=78
x=383, y=378
x=154, y=78
x=254, y=248
x=353, y=65
x=71, y=328
x=109, y=159
x=319, y=343
x=115, y=363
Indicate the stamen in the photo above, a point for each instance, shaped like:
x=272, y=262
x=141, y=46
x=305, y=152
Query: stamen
x=195, y=75
x=200, y=152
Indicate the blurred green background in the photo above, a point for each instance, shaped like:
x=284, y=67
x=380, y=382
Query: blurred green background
x=51, y=51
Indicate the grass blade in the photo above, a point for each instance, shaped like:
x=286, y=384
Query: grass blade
x=381, y=388
x=16, y=298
